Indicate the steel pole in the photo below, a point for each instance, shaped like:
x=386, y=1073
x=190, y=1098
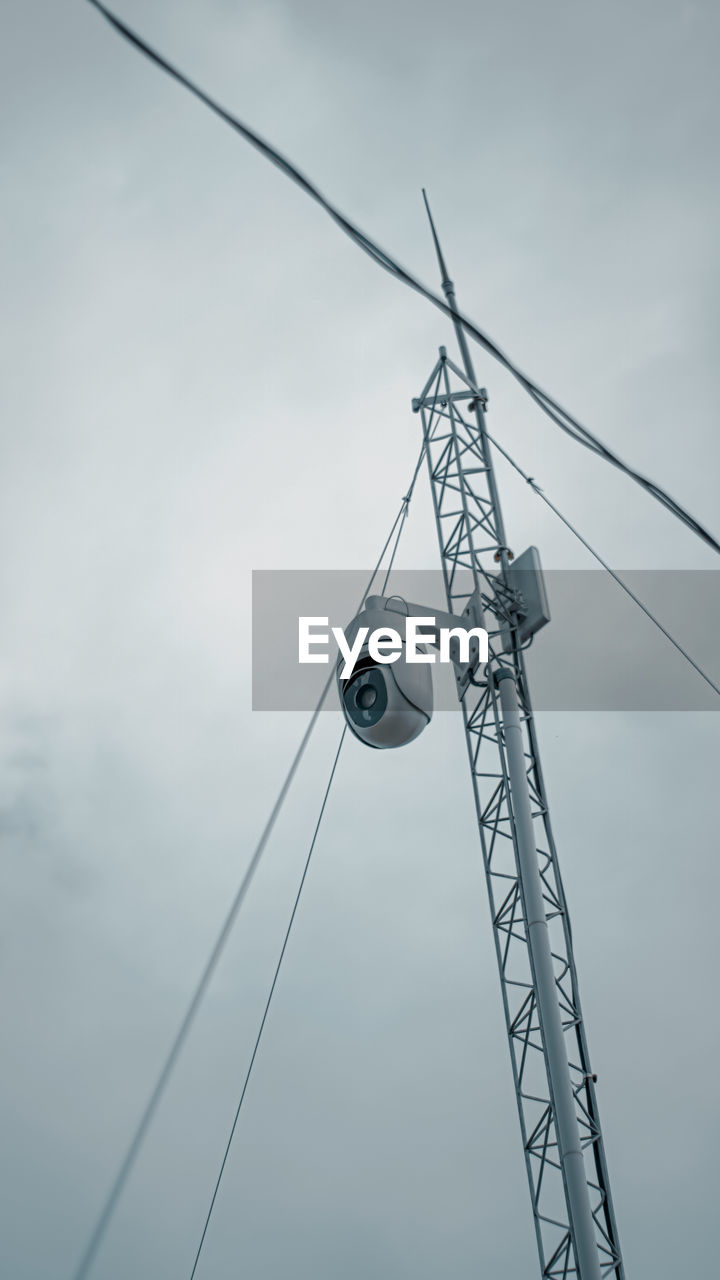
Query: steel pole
x=568, y=1133
x=580, y=1218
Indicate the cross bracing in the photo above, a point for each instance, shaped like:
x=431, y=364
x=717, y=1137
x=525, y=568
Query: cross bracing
x=474, y=559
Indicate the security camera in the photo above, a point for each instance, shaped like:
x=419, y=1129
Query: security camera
x=384, y=669
x=388, y=702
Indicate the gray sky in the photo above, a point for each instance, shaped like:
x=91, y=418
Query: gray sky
x=199, y=374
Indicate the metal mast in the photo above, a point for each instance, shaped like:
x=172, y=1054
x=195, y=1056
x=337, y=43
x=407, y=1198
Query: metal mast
x=564, y=1152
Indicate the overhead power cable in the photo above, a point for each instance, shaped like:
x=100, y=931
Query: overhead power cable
x=560, y=416
x=267, y=1006
x=133, y=1150
x=596, y=554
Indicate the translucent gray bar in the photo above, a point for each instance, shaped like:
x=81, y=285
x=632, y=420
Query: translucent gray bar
x=599, y=652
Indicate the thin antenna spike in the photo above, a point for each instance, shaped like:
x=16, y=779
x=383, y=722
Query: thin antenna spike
x=449, y=290
x=446, y=281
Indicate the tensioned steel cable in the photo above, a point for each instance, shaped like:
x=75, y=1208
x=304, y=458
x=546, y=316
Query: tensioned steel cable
x=560, y=416
x=267, y=1005
x=405, y=510
x=405, y=507
x=596, y=554
x=391, y=561
x=211, y=963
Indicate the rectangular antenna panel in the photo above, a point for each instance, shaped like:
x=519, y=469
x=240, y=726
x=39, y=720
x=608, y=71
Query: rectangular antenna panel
x=525, y=577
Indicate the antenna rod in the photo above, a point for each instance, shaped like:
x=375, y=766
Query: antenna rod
x=449, y=290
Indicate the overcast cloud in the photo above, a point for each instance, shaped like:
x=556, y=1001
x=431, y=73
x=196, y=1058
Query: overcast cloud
x=202, y=377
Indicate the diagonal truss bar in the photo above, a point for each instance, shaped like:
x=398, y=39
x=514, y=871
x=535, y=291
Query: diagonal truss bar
x=474, y=557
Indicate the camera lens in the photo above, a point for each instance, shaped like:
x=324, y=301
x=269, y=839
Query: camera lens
x=366, y=697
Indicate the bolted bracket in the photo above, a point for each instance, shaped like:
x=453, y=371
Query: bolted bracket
x=470, y=619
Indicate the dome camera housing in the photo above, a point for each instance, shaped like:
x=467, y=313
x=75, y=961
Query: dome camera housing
x=385, y=704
